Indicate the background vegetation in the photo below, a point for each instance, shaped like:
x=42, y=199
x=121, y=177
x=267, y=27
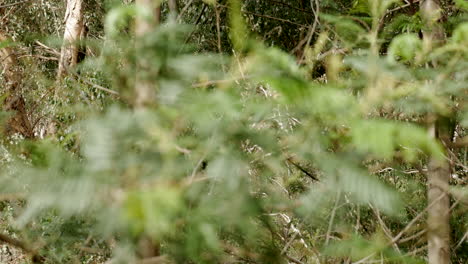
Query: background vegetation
x=260, y=131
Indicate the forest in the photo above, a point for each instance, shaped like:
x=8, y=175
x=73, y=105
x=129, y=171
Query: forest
x=233, y=131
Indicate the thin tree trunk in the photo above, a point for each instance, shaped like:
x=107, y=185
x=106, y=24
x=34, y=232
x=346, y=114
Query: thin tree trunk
x=438, y=176
x=71, y=36
x=438, y=233
x=14, y=102
x=145, y=93
x=145, y=89
x=173, y=6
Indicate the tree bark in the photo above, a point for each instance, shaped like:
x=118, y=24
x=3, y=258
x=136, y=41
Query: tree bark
x=145, y=90
x=438, y=175
x=73, y=29
x=173, y=6
x=431, y=13
x=14, y=101
x=438, y=221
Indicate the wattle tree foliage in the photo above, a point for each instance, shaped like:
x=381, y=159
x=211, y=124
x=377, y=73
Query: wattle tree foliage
x=229, y=131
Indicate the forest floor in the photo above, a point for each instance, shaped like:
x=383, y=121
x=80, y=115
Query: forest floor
x=11, y=255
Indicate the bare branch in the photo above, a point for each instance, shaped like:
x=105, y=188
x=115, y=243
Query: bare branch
x=14, y=4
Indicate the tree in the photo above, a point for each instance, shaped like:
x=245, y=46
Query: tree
x=74, y=27
x=148, y=18
x=173, y=6
x=438, y=176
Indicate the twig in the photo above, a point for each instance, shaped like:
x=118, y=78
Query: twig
x=391, y=11
x=201, y=14
x=239, y=64
x=39, y=57
x=290, y=6
x=13, y=4
x=288, y=244
x=99, y=87
x=333, y=51
x=296, y=231
x=218, y=28
x=406, y=239
x=302, y=169
x=314, y=25
x=397, y=237
x=213, y=82
x=412, y=253
x=358, y=218
x=401, y=7
x=388, y=169
x=410, y=224
x=332, y=218
x=281, y=186
x=364, y=24
x=184, y=10
x=385, y=228
x=196, y=21
x=454, y=156
x=197, y=167
x=269, y=17
x=465, y=236
x=7, y=14
x=49, y=49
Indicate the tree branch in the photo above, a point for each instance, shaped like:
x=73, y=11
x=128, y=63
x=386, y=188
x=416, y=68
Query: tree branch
x=13, y=4
x=299, y=167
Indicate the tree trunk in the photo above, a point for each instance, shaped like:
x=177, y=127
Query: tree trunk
x=71, y=36
x=173, y=6
x=438, y=224
x=438, y=176
x=145, y=90
x=14, y=102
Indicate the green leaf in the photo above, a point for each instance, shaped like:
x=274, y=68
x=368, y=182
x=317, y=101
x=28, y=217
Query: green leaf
x=153, y=211
x=383, y=138
x=360, y=6
x=365, y=189
x=463, y=4
x=6, y=43
x=119, y=17
x=379, y=7
x=375, y=136
x=347, y=29
x=239, y=32
x=460, y=34
x=405, y=47
x=280, y=70
x=210, y=2
x=377, y=247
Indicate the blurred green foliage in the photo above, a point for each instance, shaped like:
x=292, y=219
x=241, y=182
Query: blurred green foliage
x=256, y=149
